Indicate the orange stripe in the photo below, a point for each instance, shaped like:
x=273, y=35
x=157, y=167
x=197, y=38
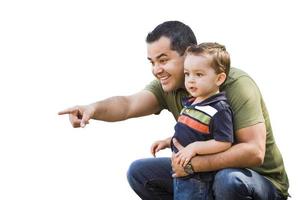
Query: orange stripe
x=193, y=124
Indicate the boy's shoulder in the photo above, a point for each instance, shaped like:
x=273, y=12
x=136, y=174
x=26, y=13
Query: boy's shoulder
x=212, y=105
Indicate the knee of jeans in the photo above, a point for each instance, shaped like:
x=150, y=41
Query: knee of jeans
x=229, y=180
x=132, y=172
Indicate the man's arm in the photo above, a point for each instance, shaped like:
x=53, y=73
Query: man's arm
x=248, y=152
x=114, y=109
x=124, y=107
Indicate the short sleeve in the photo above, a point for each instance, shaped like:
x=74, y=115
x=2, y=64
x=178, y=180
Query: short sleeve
x=246, y=103
x=222, y=126
x=155, y=87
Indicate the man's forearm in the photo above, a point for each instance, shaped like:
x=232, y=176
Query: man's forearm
x=119, y=108
x=111, y=109
x=240, y=155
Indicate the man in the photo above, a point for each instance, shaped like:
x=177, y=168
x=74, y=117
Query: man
x=251, y=169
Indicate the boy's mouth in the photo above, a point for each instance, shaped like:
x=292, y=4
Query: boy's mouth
x=192, y=89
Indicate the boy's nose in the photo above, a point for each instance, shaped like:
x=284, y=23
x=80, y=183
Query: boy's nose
x=191, y=79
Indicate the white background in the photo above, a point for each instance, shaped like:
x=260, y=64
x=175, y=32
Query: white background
x=56, y=54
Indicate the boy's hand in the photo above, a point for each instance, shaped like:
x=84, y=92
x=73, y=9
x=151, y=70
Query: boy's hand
x=79, y=116
x=184, y=155
x=178, y=170
x=159, y=145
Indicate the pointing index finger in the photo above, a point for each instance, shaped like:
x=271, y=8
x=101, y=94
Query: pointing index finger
x=67, y=111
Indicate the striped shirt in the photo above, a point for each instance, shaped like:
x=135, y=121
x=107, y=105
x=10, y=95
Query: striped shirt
x=209, y=119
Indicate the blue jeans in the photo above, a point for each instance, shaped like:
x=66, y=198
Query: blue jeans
x=151, y=179
x=196, y=187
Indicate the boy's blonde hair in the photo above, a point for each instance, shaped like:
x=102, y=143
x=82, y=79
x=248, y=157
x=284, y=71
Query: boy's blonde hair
x=219, y=57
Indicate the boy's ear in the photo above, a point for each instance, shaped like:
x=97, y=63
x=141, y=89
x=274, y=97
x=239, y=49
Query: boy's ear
x=221, y=78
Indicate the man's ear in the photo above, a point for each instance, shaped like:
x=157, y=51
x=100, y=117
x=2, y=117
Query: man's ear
x=221, y=78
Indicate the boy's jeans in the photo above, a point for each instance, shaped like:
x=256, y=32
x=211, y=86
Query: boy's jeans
x=151, y=179
x=197, y=187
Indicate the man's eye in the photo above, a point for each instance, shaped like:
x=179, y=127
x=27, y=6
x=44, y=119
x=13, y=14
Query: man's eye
x=163, y=61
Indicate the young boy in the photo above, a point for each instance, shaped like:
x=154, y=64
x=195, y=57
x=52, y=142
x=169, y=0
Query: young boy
x=205, y=123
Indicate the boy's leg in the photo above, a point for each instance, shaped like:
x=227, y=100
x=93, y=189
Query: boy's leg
x=151, y=178
x=197, y=187
x=242, y=184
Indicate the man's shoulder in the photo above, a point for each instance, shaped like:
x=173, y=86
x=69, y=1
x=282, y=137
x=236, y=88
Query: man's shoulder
x=244, y=98
x=234, y=75
x=238, y=81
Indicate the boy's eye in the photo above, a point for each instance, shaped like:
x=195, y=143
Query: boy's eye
x=186, y=74
x=199, y=74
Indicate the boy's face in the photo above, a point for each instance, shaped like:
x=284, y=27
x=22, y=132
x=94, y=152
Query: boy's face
x=201, y=79
x=167, y=64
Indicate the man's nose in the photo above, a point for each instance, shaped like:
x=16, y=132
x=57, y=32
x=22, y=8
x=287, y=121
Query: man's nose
x=157, y=69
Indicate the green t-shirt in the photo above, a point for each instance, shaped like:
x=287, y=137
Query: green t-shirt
x=248, y=109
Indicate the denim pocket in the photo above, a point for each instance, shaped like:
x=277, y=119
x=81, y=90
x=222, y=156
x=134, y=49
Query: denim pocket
x=193, y=188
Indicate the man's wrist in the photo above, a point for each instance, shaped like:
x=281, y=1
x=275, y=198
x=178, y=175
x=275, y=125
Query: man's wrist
x=189, y=168
x=201, y=163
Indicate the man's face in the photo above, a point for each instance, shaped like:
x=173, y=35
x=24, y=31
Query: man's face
x=167, y=64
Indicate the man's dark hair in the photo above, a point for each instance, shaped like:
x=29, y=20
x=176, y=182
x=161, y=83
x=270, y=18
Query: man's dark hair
x=180, y=35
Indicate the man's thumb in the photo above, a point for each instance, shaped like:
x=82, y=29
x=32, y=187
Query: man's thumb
x=84, y=121
x=177, y=144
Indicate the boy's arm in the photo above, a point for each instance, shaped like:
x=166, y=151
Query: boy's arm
x=184, y=155
x=209, y=147
x=160, y=145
